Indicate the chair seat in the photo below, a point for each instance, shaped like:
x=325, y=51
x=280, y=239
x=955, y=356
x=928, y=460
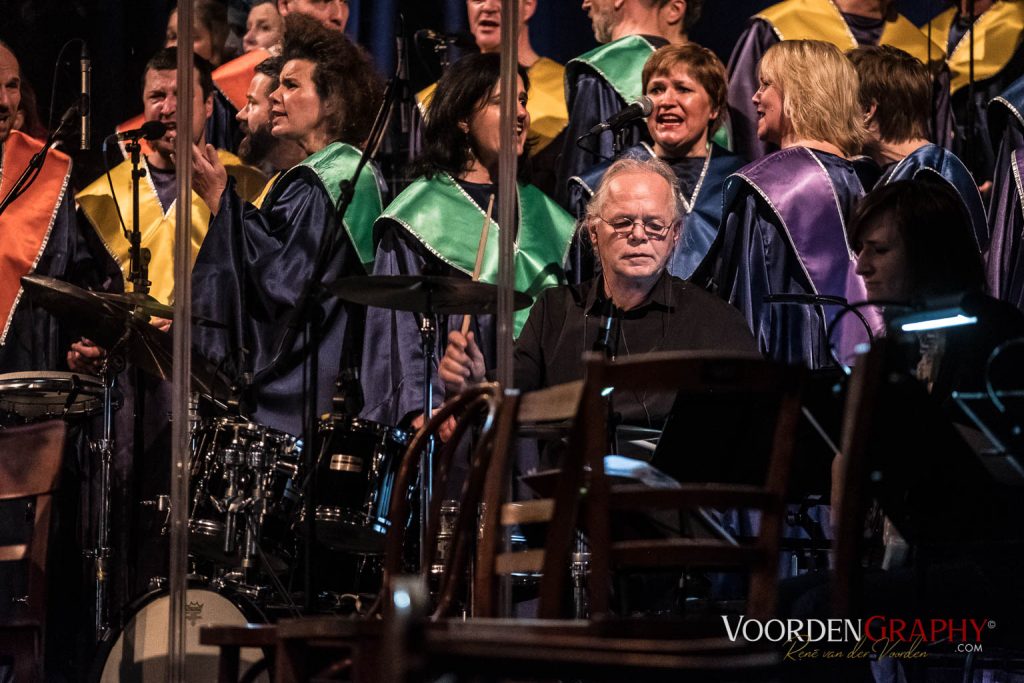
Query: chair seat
x=587, y=650
x=250, y=635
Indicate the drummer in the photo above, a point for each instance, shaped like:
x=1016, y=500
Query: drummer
x=633, y=220
x=435, y=227
x=30, y=338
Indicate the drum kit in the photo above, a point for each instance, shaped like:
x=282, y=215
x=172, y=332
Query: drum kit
x=250, y=487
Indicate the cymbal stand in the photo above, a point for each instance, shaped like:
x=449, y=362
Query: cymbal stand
x=104, y=448
x=428, y=341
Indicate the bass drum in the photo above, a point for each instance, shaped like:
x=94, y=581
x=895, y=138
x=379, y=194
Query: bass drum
x=138, y=652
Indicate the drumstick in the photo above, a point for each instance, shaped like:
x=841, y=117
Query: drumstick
x=480, y=255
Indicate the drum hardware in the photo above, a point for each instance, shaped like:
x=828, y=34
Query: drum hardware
x=580, y=572
x=161, y=504
x=355, y=471
x=430, y=296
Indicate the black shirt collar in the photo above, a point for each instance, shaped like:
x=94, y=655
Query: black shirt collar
x=659, y=298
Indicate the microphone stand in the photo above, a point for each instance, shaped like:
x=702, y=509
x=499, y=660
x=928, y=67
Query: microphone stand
x=35, y=164
x=311, y=312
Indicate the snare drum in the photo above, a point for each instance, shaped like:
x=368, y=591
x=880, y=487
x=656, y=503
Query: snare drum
x=247, y=469
x=356, y=474
x=40, y=395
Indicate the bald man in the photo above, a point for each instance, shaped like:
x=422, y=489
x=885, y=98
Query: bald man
x=331, y=13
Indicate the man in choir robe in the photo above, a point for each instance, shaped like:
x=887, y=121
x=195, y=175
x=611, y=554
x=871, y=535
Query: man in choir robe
x=158, y=189
x=42, y=236
x=259, y=147
x=49, y=241
x=895, y=95
x=846, y=24
x=998, y=61
x=604, y=80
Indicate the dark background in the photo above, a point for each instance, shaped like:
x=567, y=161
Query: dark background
x=122, y=34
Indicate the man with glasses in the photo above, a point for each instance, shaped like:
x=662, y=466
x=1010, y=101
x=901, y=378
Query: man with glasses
x=634, y=221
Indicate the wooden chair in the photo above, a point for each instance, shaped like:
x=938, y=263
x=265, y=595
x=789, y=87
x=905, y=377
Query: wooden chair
x=30, y=461
x=694, y=374
x=608, y=648
x=554, y=404
x=354, y=645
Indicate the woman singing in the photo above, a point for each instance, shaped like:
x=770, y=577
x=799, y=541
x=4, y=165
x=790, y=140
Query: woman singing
x=434, y=228
x=259, y=269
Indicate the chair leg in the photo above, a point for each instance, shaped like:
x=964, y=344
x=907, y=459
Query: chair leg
x=26, y=646
x=291, y=665
x=227, y=666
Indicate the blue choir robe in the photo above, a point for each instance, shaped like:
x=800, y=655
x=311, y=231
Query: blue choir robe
x=936, y=162
x=1004, y=263
x=598, y=84
x=998, y=62
x=820, y=20
x=258, y=269
x=783, y=231
x=408, y=243
x=702, y=203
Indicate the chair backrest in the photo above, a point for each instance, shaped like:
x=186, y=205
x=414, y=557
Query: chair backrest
x=30, y=460
x=477, y=406
x=559, y=511
x=849, y=485
x=748, y=377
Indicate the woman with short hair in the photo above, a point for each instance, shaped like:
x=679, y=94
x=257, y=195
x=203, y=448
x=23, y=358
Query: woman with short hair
x=687, y=85
x=784, y=222
x=259, y=269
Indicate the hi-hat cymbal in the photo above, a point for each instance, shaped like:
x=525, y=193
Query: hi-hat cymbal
x=423, y=294
x=108, y=323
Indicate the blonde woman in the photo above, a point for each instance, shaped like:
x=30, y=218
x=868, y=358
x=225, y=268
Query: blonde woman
x=783, y=227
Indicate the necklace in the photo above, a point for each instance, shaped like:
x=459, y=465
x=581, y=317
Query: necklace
x=689, y=203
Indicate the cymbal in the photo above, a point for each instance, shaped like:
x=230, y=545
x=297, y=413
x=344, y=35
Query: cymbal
x=423, y=294
x=151, y=307
x=108, y=322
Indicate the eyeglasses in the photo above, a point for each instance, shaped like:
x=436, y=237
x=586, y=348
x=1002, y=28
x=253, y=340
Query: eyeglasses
x=654, y=229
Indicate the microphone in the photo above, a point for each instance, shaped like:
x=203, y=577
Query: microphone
x=150, y=130
x=642, y=107
x=465, y=40
x=85, y=106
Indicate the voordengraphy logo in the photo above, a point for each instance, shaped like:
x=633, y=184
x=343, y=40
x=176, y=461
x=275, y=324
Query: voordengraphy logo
x=878, y=635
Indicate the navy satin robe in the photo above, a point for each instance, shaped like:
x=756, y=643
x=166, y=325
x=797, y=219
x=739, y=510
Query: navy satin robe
x=976, y=146
x=392, y=370
x=753, y=257
x=941, y=163
x=1004, y=263
x=591, y=100
x=743, y=83
x=254, y=273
